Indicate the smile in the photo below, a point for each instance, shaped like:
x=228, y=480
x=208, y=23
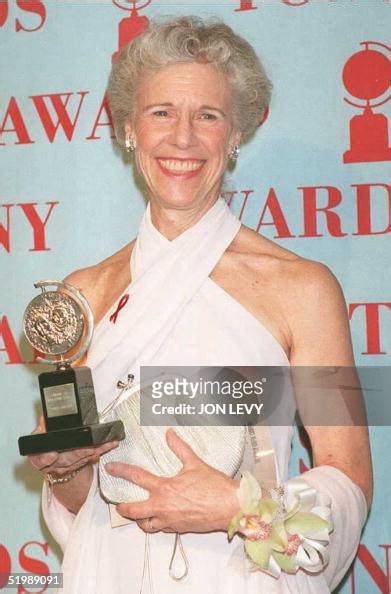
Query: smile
x=179, y=167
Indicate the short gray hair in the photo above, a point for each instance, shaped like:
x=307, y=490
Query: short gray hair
x=190, y=39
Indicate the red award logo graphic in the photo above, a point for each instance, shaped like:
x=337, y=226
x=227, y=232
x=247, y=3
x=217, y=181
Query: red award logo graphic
x=367, y=76
x=131, y=26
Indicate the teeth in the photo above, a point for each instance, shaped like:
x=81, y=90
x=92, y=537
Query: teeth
x=179, y=166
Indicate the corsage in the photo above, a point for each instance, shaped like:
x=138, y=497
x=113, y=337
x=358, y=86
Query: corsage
x=287, y=530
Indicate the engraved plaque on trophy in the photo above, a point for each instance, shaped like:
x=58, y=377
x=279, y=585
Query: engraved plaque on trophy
x=59, y=325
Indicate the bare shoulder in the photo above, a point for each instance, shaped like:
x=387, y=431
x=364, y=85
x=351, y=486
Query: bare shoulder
x=313, y=281
x=308, y=301
x=301, y=277
x=297, y=299
x=103, y=282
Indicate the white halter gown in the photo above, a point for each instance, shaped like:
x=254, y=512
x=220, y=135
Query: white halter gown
x=176, y=315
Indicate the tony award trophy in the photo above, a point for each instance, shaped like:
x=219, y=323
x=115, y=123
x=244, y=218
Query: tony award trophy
x=59, y=326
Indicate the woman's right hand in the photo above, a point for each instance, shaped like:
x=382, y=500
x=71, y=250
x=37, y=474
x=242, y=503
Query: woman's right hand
x=64, y=463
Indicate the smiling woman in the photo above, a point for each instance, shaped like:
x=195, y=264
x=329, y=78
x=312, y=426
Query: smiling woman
x=183, y=130
x=188, y=110
x=204, y=291
x=187, y=41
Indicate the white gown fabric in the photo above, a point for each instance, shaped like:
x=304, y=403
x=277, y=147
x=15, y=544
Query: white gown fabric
x=176, y=315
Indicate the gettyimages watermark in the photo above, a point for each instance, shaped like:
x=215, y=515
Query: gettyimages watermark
x=279, y=396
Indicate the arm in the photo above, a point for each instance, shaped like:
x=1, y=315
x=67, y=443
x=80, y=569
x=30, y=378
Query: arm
x=321, y=337
x=101, y=285
x=73, y=493
x=199, y=498
x=70, y=494
x=341, y=454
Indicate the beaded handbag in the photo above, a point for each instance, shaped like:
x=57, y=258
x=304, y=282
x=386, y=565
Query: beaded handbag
x=222, y=447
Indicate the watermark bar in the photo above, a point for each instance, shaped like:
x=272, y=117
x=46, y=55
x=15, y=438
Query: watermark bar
x=279, y=396
x=32, y=581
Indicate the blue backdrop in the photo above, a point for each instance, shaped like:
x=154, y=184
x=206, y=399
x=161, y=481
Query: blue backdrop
x=313, y=178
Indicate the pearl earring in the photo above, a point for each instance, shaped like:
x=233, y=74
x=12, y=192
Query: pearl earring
x=129, y=144
x=234, y=152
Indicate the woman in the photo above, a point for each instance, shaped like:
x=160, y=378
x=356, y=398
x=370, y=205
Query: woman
x=184, y=96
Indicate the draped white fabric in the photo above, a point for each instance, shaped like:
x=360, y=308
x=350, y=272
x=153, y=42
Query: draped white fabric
x=165, y=277
x=176, y=315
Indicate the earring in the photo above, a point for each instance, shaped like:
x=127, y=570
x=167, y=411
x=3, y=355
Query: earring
x=129, y=144
x=234, y=152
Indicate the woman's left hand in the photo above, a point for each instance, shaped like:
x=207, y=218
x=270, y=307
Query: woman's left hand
x=198, y=499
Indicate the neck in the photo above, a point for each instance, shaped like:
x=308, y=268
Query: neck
x=172, y=221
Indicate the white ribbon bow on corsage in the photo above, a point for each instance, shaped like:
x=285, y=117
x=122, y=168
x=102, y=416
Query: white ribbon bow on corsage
x=288, y=531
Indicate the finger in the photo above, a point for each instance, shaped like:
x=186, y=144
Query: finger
x=68, y=461
x=181, y=449
x=154, y=524
x=41, y=427
x=43, y=461
x=103, y=449
x=41, y=424
x=74, y=458
x=80, y=456
x=151, y=525
x=106, y=447
x=49, y=461
x=134, y=474
x=69, y=466
x=60, y=472
x=140, y=510
x=167, y=529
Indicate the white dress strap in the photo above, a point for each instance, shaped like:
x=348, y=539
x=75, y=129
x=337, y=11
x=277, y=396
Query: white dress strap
x=165, y=277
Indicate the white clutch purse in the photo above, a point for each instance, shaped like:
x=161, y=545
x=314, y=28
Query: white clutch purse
x=219, y=446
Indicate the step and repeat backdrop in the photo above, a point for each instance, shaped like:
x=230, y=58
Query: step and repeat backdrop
x=316, y=178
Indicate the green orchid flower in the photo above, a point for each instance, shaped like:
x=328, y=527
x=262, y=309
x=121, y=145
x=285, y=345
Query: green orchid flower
x=259, y=521
x=274, y=536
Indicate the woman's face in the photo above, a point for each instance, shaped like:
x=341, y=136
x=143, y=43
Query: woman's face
x=183, y=130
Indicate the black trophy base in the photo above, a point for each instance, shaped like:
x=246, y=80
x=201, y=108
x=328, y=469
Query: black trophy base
x=71, y=438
